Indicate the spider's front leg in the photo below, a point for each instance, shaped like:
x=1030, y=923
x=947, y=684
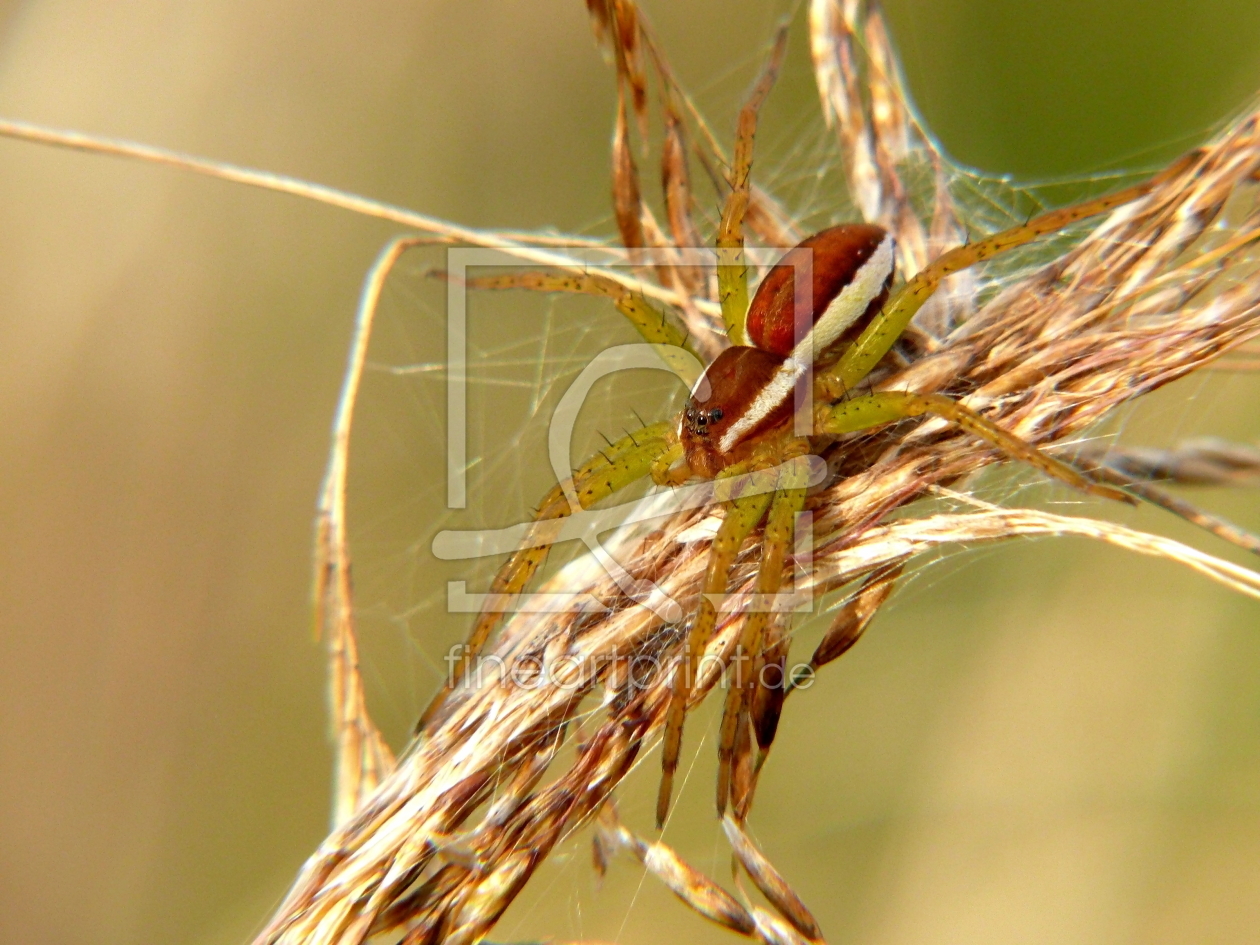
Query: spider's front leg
x=621, y=464
x=732, y=268
x=655, y=325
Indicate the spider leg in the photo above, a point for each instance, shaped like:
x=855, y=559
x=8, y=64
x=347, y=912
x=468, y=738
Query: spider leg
x=742, y=515
x=884, y=330
x=732, y=268
x=612, y=469
x=664, y=472
x=876, y=409
x=766, y=702
x=652, y=323
x=778, y=538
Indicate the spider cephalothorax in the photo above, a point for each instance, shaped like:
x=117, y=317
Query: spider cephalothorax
x=732, y=407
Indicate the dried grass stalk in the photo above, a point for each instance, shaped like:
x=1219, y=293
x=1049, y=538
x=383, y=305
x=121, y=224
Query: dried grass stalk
x=1200, y=461
x=695, y=889
x=772, y=885
x=626, y=204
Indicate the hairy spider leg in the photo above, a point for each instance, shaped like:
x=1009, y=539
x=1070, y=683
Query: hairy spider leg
x=766, y=704
x=732, y=268
x=667, y=471
x=884, y=330
x=780, y=521
x=742, y=515
x=623, y=463
x=651, y=322
x=873, y=410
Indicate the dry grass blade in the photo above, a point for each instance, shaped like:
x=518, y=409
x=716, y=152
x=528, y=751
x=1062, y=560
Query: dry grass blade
x=710, y=900
x=620, y=21
x=570, y=253
x=891, y=543
x=1199, y=462
x=743, y=775
x=852, y=619
x=767, y=701
x=362, y=757
x=774, y=931
x=893, y=135
x=676, y=187
x=676, y=183
x=707, y=898
x=687, y=883
x=627, y=205
x=864, y=98
x=772, y=885
x=837, y=75
x=1227, y=531
x=1204, y=461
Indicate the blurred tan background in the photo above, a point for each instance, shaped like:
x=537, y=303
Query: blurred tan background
x=1047, y=742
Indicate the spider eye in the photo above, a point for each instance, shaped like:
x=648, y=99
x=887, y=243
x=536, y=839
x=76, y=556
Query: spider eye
x=715, y=414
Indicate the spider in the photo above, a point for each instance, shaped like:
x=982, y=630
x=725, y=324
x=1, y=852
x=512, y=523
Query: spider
x=823, y=336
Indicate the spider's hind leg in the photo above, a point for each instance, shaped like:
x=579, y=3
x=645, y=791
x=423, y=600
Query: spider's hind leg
x=742, y=515
x=742, y=676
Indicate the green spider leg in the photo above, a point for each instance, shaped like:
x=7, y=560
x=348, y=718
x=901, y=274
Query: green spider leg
x=780, y=522
x=658, y=458
x=873, y=410
x=857, y=414
x=612, y=469
x=860, y=358
x=652, y=323
x=732, y=268
x=882, y=333
x=742, y=515
x=648, y=452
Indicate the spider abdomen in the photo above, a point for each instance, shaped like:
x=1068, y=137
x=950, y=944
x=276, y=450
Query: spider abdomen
x=823, y=290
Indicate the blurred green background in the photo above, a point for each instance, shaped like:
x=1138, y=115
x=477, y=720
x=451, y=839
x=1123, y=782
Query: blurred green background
x=1042, y=742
